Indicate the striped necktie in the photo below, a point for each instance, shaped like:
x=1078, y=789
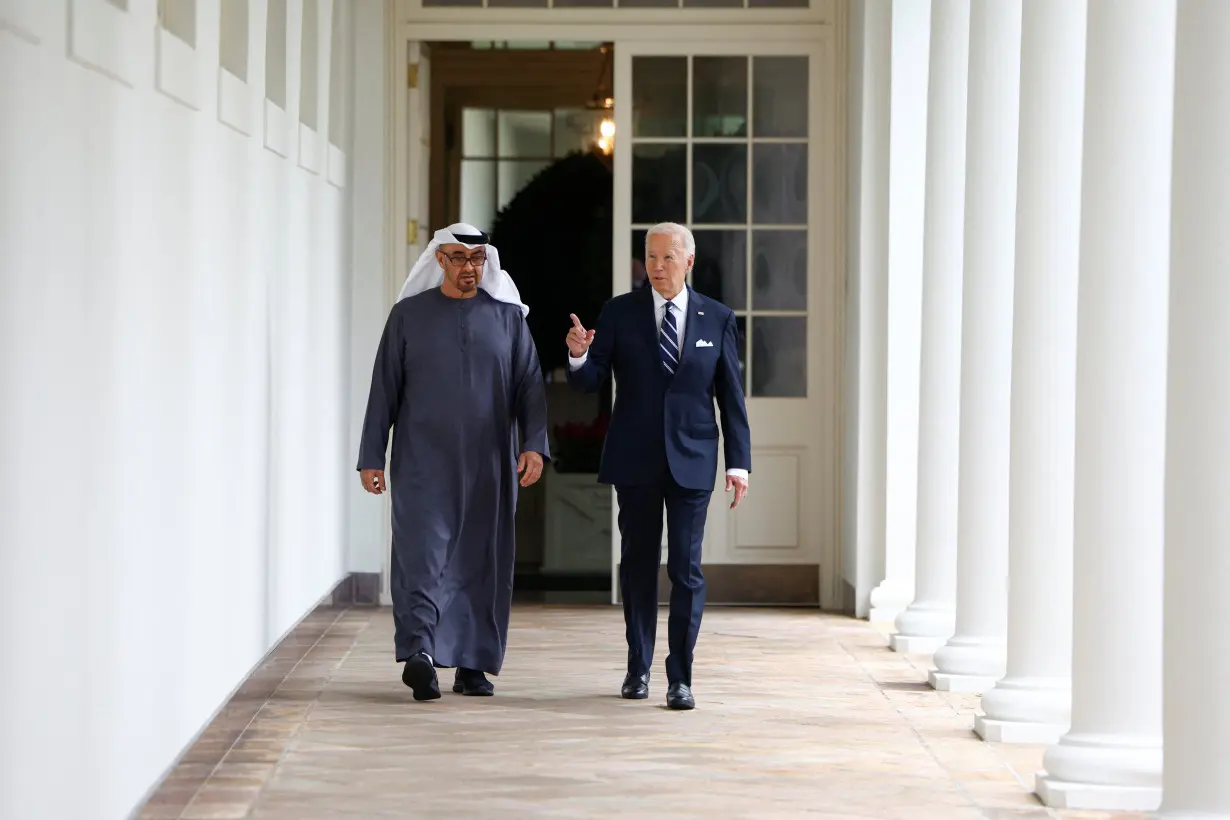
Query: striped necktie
x=668, y=344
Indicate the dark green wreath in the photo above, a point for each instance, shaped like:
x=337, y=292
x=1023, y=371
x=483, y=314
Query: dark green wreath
x=554, y=239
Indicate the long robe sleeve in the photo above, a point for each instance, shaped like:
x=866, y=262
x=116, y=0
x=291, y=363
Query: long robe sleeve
x=385, y=397
x=531, y=396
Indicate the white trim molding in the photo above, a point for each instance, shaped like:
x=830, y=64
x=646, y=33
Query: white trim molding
x=588, y=19
x=277, y=129
x=335, y=165
x=237, y=95
x=234, y=102
x=309, y=149
x=105, y=38
x=26, y=19
x=179, y=68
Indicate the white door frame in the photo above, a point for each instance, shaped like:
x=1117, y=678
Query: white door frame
x=802, y=26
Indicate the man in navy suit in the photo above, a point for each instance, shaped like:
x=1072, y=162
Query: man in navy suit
x=672, y=353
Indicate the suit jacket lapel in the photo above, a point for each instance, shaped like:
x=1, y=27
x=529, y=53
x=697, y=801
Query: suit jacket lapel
x=649, y=317
x=691, y=329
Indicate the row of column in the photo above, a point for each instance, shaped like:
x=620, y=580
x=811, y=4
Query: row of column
x=1073, y=474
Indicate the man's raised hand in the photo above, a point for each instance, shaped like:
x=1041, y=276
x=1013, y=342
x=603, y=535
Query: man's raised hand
x=579, y=339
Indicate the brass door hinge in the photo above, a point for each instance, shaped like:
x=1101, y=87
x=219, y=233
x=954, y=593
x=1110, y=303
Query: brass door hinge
x=412, y=232
x=412, y=75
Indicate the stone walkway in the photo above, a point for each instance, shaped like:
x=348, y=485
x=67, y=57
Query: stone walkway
x=798, y=714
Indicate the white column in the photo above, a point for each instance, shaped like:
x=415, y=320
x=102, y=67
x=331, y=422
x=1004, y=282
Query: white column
x=1111, y=758
x=867, y=298
x=1032, y=703
x=974, y=658
x=928, y=621
x=1196, y=655
x=911, y=23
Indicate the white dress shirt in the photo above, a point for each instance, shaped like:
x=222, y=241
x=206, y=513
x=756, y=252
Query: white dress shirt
x=680, y=307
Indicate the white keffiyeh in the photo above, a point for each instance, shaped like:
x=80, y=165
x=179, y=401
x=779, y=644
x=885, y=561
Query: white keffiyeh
x=427, y=273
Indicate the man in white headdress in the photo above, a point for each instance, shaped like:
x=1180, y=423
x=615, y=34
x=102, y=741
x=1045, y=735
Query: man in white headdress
x=457, y=378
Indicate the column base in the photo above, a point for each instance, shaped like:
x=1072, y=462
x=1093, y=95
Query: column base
x=1110, y=772
x=889, y=600
x=948, y=682
x=1015, y=731
x=1023, y=709
x=924, y=627
x=975, y=656
x=916, y=644
x=1059, y=794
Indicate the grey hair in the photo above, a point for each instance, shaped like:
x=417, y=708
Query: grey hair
x=674, y=230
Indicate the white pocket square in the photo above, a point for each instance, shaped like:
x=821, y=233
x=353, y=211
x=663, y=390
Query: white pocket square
x=703, y=343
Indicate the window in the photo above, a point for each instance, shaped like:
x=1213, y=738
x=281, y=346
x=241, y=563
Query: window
x=339, y=79
x=179, y=66
x=275, y=54
x=720, y=144
x=309, y=65
x=234, y=92
x=502, y=150
x=178, y=17
x=234, y=38
x=277, y=131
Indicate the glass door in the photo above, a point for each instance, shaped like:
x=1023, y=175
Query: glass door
x=731, y=141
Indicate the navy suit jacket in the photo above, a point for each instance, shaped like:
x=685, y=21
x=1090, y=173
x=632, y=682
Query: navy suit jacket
x=659, y=422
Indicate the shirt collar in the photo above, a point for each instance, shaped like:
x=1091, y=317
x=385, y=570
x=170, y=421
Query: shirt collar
x=680, y=301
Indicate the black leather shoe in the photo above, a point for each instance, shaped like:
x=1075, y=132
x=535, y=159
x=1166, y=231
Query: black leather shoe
x=420, y=675
x=473, y=683
x=679, y=696
x=636, y=687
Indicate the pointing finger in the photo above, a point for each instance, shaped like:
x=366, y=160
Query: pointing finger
x=576, y=322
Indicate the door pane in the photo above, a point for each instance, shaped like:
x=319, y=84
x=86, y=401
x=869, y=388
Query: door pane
x=779, y=184
x=515, y=175
x=477, y=205
x=779, y=270
x=719, y=184
x=478, y=132
x=659, y=183
x=525, y=134
x=779, y=356
x=720, y=270
x=576, y=129
x=719, y=97
x=659, y=96
x=640, y=279
x=779, y=96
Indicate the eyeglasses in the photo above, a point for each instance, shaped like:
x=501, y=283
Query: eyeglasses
x=459, y=261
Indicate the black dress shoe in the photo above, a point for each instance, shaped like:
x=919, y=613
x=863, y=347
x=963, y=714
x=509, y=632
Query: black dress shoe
x=472, y=682
x=636, y=687
x=679, y=696
x=420, y=675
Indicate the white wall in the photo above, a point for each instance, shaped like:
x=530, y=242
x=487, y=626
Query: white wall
x=174, y=340
x=371, y=291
